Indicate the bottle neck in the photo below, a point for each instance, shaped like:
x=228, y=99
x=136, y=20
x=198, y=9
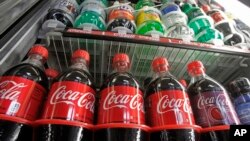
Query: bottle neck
x=36, y=60
x=162, y=74
x=197, y=77
x=121, y=67
x=79, y=63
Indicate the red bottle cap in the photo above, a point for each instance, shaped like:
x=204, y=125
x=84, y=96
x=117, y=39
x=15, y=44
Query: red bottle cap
x=41, y=50
x=160, y=64
x=206, y=8
x=81, y=54
x=121, y=57
x=51, y=72
x=195, y=68
x=218, y=16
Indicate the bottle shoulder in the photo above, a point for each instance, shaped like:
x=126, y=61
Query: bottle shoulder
x=28, y=71
x=76, y=75
x=204, y=85
x=162, y=84
x=121, y=79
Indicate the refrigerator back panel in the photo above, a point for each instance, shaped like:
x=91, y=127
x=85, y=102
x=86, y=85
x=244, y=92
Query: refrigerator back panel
x=11, y=10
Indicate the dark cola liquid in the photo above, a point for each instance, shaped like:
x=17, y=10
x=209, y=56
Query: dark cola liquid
x=175, y=135
x=30, y=72
x=203, y=85
x=222, y=135
x=13, y=131
x=163, y=83
x=59, y=15
x=53, y=132
x=76, y=75
x=121, y=134
x=120, y=79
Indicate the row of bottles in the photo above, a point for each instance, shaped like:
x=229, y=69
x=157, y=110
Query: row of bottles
x=70, y=110
x=173, y=19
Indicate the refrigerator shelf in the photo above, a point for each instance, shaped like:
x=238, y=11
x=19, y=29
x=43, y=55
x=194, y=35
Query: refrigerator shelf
x=221, y=62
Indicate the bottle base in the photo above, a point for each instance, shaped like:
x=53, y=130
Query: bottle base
x=54, y=132
x=13, y=131
x=175, y=135
x=216, y=133
x=121, y=134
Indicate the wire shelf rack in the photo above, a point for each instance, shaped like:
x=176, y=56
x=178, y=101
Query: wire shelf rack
x=220, y=62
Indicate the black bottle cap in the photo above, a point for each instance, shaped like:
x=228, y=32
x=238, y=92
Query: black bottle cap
x=239, y=86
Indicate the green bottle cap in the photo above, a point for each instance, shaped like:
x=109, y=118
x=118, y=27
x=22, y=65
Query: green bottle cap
x=186, y=7
x=90, y=18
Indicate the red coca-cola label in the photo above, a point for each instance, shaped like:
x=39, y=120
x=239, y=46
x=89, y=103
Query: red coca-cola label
x=20, y=97
x=121, y=104
x=169, y=107
x=214, y=108
x=70, y=101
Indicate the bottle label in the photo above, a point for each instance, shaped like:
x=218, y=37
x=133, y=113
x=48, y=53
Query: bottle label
x=68, y=6
x=121, y=104
x=169, y=107
x=94, y=6
x=70, y=101
x=242, y=106
x=214, y=108
x=20, y=97
x=144, y=16
x=116, y=14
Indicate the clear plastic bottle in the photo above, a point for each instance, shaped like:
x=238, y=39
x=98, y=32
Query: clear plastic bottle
x=168, y=109
x=22, y=92
x=211, y=104
x=121, y=115
x=68, y=113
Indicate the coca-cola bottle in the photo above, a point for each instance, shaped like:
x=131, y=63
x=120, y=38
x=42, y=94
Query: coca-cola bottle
x=167, y=107
x=22, y=90
x=211, y=104
x=51, y=75
x=69, y=109
x=121, y=106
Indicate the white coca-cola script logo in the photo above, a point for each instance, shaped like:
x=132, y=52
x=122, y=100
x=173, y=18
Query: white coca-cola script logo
x=167, y=104
x=84, y=100
x=210, y=101
x=10, y=90
x=121, y=100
